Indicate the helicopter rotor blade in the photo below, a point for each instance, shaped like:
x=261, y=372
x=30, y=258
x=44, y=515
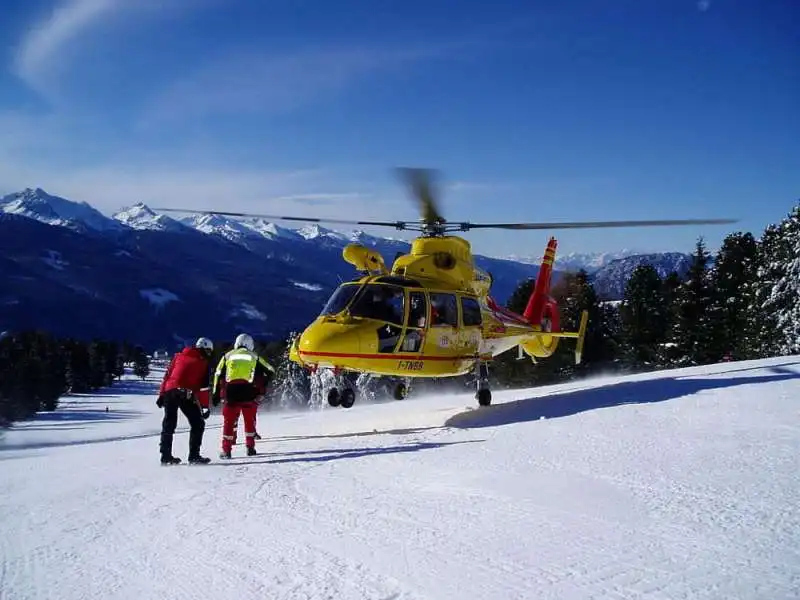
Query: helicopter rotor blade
x=420, y=181
x=597, y=224
x=398, y=224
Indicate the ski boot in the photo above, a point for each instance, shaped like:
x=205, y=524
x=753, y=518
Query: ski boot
x=170, y=460
x=225, y=455
x=199, y=460
x=251, y=452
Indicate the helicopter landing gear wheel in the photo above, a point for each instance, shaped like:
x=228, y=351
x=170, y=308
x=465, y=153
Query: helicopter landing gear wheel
x=334, y=398
x=483, y=394
x=484, y=397
x=348, y=397
x=400, y=391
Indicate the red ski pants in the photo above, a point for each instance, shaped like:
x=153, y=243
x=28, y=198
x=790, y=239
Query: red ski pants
x=230, y=418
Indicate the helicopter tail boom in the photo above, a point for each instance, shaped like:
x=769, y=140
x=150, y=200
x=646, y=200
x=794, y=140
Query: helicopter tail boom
x=539, y=297
x=542, y=313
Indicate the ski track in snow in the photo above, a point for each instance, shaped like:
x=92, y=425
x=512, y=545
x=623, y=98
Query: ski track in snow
x=695, y=495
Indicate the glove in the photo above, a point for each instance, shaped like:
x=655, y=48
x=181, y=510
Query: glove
x=160, y=401
x=206, y=413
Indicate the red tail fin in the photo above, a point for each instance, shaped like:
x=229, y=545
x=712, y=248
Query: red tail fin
x=541, y=291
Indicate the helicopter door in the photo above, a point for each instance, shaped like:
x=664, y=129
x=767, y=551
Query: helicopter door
x=470, y=333
x=442, y=338
x=417, y=321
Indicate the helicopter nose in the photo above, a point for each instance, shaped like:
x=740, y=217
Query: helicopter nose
x=327, y=341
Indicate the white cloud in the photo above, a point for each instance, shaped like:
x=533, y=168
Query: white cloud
x=252, y=82
x=44, y=43
x=46, y=50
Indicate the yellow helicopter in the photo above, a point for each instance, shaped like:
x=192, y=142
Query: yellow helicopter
x=431, y=314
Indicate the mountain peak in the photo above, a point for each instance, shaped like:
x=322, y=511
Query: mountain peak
x=36, y=203
x=272, y=230
x=314, y=231
x=142, y=217
x=219, y=225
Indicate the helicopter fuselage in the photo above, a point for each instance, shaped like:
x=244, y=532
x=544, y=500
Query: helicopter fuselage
x=419, y=340
x=431, y=316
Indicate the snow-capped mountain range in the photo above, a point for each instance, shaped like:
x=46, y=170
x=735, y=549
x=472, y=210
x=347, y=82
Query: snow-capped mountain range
x=574, y=261
x=54, y=210
x=67, y=268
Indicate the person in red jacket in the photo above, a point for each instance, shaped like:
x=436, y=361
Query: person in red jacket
x=185, y=386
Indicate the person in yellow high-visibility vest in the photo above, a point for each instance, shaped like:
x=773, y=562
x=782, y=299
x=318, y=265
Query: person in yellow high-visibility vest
x=244, y=375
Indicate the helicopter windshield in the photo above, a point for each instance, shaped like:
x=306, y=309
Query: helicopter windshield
x=380, y=301
x=340, y=299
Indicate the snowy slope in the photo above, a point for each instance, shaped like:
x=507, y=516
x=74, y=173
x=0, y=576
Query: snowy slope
x=666, y=485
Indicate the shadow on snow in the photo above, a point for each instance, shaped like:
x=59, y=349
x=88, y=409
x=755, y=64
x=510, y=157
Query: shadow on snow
x=84, y=415
x=126, y=387
x=613, y=394
x=334, y=454
x=34, y=445
x=332, y=436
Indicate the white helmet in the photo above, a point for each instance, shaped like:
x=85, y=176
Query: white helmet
x=204, y=344
x=244, y=341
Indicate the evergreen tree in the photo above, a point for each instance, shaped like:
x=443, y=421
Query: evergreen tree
x=7, y=401
x=692, y=334
x=78, y=371
x=670, y=290
x=599, y=349
x=734, y=284
x=520, y=296
x=643, y=314
x=97, y=365
x=36, y=369
x=788, y=320
x=776, y=293
x=612, y=331
x=129, y=352
x=141, y=363
x=114, y=366
x=51, y=382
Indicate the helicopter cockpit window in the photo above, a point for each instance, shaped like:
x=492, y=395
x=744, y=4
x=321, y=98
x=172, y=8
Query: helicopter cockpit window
x=470, y=311
x=382, y=302
x=444, y=310
x=417, y=309
x=340, y=298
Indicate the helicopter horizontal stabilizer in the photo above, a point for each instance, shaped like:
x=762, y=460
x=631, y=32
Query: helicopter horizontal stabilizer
x=580, y=335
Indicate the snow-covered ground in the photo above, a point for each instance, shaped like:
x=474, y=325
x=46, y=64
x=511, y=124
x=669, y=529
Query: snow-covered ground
x=682, y=484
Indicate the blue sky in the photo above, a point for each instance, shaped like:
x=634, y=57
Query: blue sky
x=532, y=111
